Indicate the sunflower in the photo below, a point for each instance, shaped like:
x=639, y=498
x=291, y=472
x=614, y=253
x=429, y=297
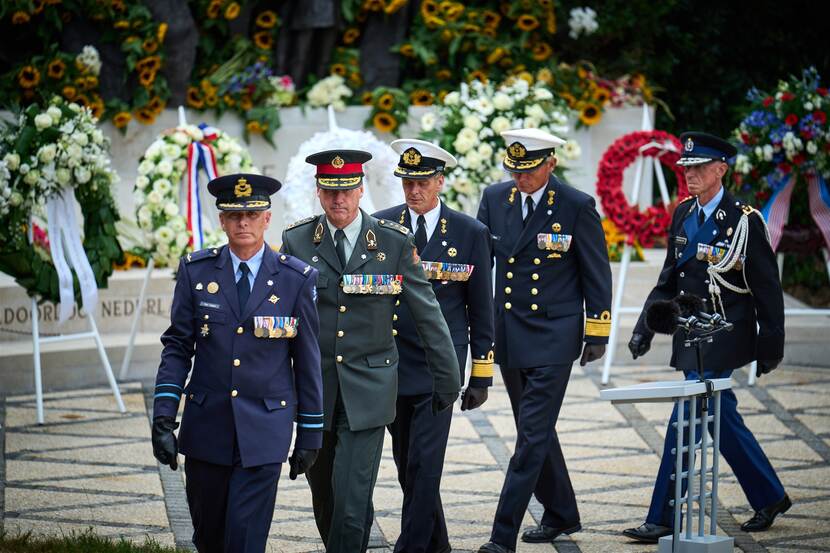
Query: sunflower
x=194, y=98
x=602, y=95
x=90, y=82
x=568, y=97
x=28, y=77
x=421, y=97
x=581, y=72
x=386, y=102
x=208, y=87
x=246, y=103
x=267, y=19
x=488, y=32
x=366, y=98
x=69, y=92
x=355, y=79
x=214, y=8
x=441, y=95
x=121, y=119
x=338, y=69
x=20, y=17
x=525, y=76
x=117, y=5
x=121, y=24
x=477, y=75
x=542, y=51
x=146, y=78
x=453, y=11
x=496, y=55
x=590, y=114
x=433, y=22
x=429, y=8
x=447, y=35
x=407, y=50
x=550, y=22
x=211, y=100
x=527, y=22
x=150, y=45
x=152, y=63
x=491, y=19
x=161, y=32
x=384, y=122
x=393, y=6
x=82, y=100
x=254, y=127
x=506, y=62
x=263, y=40
x=545, y=3
x=156, y=104
x=351, y=34
x=229, y=101
x=232, y=11
x=373, y=5
x=545, y=75
x=56, y=69
x=443, y=74
x=145, y=115
x=97, y=107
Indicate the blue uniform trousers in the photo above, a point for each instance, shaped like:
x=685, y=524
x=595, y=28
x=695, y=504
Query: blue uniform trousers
x=737, y=445
x=419, y=441
x=231, y=506
x=537, y=466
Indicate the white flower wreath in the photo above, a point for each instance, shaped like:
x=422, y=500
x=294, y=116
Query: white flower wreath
x=158, y=187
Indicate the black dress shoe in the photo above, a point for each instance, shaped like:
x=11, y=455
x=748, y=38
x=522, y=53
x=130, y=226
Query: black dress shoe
x=763, y=519
x=544, y=534
x=647, y=532
x=491, y=547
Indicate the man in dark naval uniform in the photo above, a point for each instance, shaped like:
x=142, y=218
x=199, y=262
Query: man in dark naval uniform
x=249, y=315
x=719, y=250
x=455, y=253
x=552, y=277
x=366, y=266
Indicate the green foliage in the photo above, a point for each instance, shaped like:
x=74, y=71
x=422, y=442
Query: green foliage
x=77, y=542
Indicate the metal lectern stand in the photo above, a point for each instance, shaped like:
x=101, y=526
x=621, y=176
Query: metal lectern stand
x=681, y=393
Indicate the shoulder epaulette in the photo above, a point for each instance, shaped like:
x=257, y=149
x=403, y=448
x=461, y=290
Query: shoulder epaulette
x=393, y=225
x=300, y=266
x=686, y=199
x=206, y=253
x=301, y=222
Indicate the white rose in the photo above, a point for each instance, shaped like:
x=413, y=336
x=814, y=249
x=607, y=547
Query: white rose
x=485, y=150
x=428, y=121
x=154, y=198
x=177, y=224
x=496, y=173
x=145, y=167
x=162, y=186
x=742, y=164
x=171, y=151
x=768, y=152
x=808, y=106
x=144, y=214
x=164, y=168
x=195, y=132
x=811, y=147
x=571, y=149
x=15, y=199
x=31, y=177
x=82, y=175
x=74, y=107
x=536, y=112
x=24, y=168
x=43, y=121
x=97, y=136
x=531, y=123
x=500, y=124
x=74, y=152
x=141, y=182
x=474, y=160
x=55, y=113
x=452, y=99
x=502, y=101
x=63, y=176
x=180, y=164
x=12, y=160
x=171, y=209
x=462, y=144
x=472, y=122
x=181, y=138
x=542, y=93
x=47, y=153
x=759, y=152
x=80, y=138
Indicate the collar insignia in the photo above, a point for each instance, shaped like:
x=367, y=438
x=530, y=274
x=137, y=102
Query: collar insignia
x=371, y=240
x=318, y=233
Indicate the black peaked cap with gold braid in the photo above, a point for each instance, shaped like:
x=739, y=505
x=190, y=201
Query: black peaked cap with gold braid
x=339, y=169
x=527, y=149
x=243, y=192
x=421, y=159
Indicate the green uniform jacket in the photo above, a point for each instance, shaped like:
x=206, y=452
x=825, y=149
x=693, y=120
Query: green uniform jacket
x=357, y=346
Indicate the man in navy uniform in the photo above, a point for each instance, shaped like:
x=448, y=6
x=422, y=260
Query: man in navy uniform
x=455, y=253
x=249, y=315
x=749, y=296
x=366, y=266
x=551, y=270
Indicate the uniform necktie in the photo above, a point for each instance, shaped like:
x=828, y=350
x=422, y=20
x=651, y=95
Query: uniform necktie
x=529, y=205
x=340, y=245
x=421, y=234
x=243, y=288
x=701, y=217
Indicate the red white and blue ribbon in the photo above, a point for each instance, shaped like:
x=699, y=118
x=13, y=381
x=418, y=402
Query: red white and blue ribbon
x=200, y=155
x=777, y=210
x=819, y=204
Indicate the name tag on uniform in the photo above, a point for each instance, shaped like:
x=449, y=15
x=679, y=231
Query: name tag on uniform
x=715, y=254
x=439, y=270
x=373, y=284
x=275, y=327
x=555, y=242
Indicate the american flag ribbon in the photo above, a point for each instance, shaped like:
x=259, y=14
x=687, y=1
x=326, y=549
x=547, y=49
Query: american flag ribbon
x=777, y=211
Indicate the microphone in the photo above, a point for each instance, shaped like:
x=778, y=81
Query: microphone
x=662, y=316
x=691, y=305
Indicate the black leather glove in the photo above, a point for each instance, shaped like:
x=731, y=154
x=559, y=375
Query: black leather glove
x=473, y=397
x=300, y=461
x=639, y=345
x=165, y=445
x=441, y=401
x=591, y=352
x=766, y=366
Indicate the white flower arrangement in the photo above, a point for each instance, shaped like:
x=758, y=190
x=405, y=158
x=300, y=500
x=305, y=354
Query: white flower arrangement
x=161, y=171
x=582, y=21
x=90, y=59
x=469, y=124
x=329, y=91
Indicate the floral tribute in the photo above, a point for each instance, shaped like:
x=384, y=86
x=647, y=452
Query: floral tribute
x=469, y=124
x=640, y=228
x=46, y=153
x=784, y=147
x=163, y=168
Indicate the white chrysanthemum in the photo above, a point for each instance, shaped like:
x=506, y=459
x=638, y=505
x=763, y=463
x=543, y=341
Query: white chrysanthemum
x=80, y=138
x=47, y=153
x=12, y=160
x=43, y=121
x=180, y=138
x=141, y=182
x=164, y=168
x=485, y=150
x=570, y=150
x=145, y=167
x=452, y=99
x=428, y=121
x=541, y=93
x=502, y=101
x=171, y=209
x=82, y=175
x=55, y=113
x=472, y=122
x=162, y=186
x=500, y=124
x=171, y=151
x=154, y=198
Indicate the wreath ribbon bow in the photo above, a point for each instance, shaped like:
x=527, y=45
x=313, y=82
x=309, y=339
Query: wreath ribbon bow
x=200, y=155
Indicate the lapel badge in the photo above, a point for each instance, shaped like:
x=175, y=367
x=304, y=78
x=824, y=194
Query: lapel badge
x=512, y=197
x=380, y=256
x=556, y=227
x=363, y=256
x=551, y=194
x=371, y=240
x=188, y=258
x=273, y=299
x=199, y=284
x=729, y=231
x=452, y=252
x=205, y=330
x=270, y=283
x=720, y=215
x=443, y=225
x=318, y=233
x=443, y=242
x=315, y=259
x=212, y=287
x=403, y=217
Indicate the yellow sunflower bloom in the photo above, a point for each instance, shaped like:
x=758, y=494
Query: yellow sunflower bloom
x=550, y=23
x=90, y=82
x=429, y=8
x=161, y=32
x=145, y=116
x=97, y=107
x=384, y=122
x=453, y=11
x=496, y=55
x=267, y=19
x=229, y=101
x=366, y=98
x=355, y=79
x=28, y=77
x=394, y=5
x=542, y=51
x=156, y=104
x=491, y=19
x=351, y=34
x=602, y=95
x=150, y=45
x=56, y=69
x=69, y=92
x=146, y=78
x=590, y=114
x=386, y=102
x=421, y=97
x=263, y=40
x=545, y=75
x=232, y=11
x=122, y=24
x=407, y=50
x=213, y=9
x=20, y=17
x=568, y=97
x=254, y=127
x=151, y=63
x=443, y=74
x=477, y=75
x=527, y=22
x=82, y=100
x=246, y=103
x=211, y=100
x=194, y=98
x=121, y=119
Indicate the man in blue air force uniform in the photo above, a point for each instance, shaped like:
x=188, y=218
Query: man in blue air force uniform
x=455, y=253
x=748, y=294
x=551, y=270
x=249, y=316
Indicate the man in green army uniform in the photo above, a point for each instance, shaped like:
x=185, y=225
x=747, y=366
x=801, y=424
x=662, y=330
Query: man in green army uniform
x=366, y=267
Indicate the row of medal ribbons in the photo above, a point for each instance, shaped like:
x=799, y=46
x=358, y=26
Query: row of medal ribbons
x=715, y=254
x=275, y=327
x=555, y=242
x=438, y=270
x=372, y=284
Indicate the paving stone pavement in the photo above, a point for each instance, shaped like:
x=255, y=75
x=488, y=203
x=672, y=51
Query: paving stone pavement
x=90, y=466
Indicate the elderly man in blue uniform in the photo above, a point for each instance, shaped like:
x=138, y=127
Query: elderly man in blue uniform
x=551, y=271
x=455, y=253
x=704, y=258
x=366, y=266
x=249, y=316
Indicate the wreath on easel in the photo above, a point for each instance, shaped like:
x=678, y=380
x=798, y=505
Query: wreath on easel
x=51, y=158
x=640, y=227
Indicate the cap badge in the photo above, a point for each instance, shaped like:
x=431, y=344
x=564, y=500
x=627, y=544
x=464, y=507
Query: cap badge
x=371, y=240
x=242, y=188
x=412, y=157
x=337, y=162
x=517, y=150
x=690, y=145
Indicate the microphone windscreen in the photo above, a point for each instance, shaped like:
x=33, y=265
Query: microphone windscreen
x=661, y=316
x=689, y=305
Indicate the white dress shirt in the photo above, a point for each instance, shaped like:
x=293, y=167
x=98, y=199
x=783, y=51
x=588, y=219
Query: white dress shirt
x=537, y=197
x=430, y=219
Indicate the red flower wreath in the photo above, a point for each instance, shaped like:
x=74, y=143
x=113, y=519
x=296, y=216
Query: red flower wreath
x=638, y=226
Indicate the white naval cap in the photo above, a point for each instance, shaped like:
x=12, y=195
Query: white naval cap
x=528, y=148
x=421, y=159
